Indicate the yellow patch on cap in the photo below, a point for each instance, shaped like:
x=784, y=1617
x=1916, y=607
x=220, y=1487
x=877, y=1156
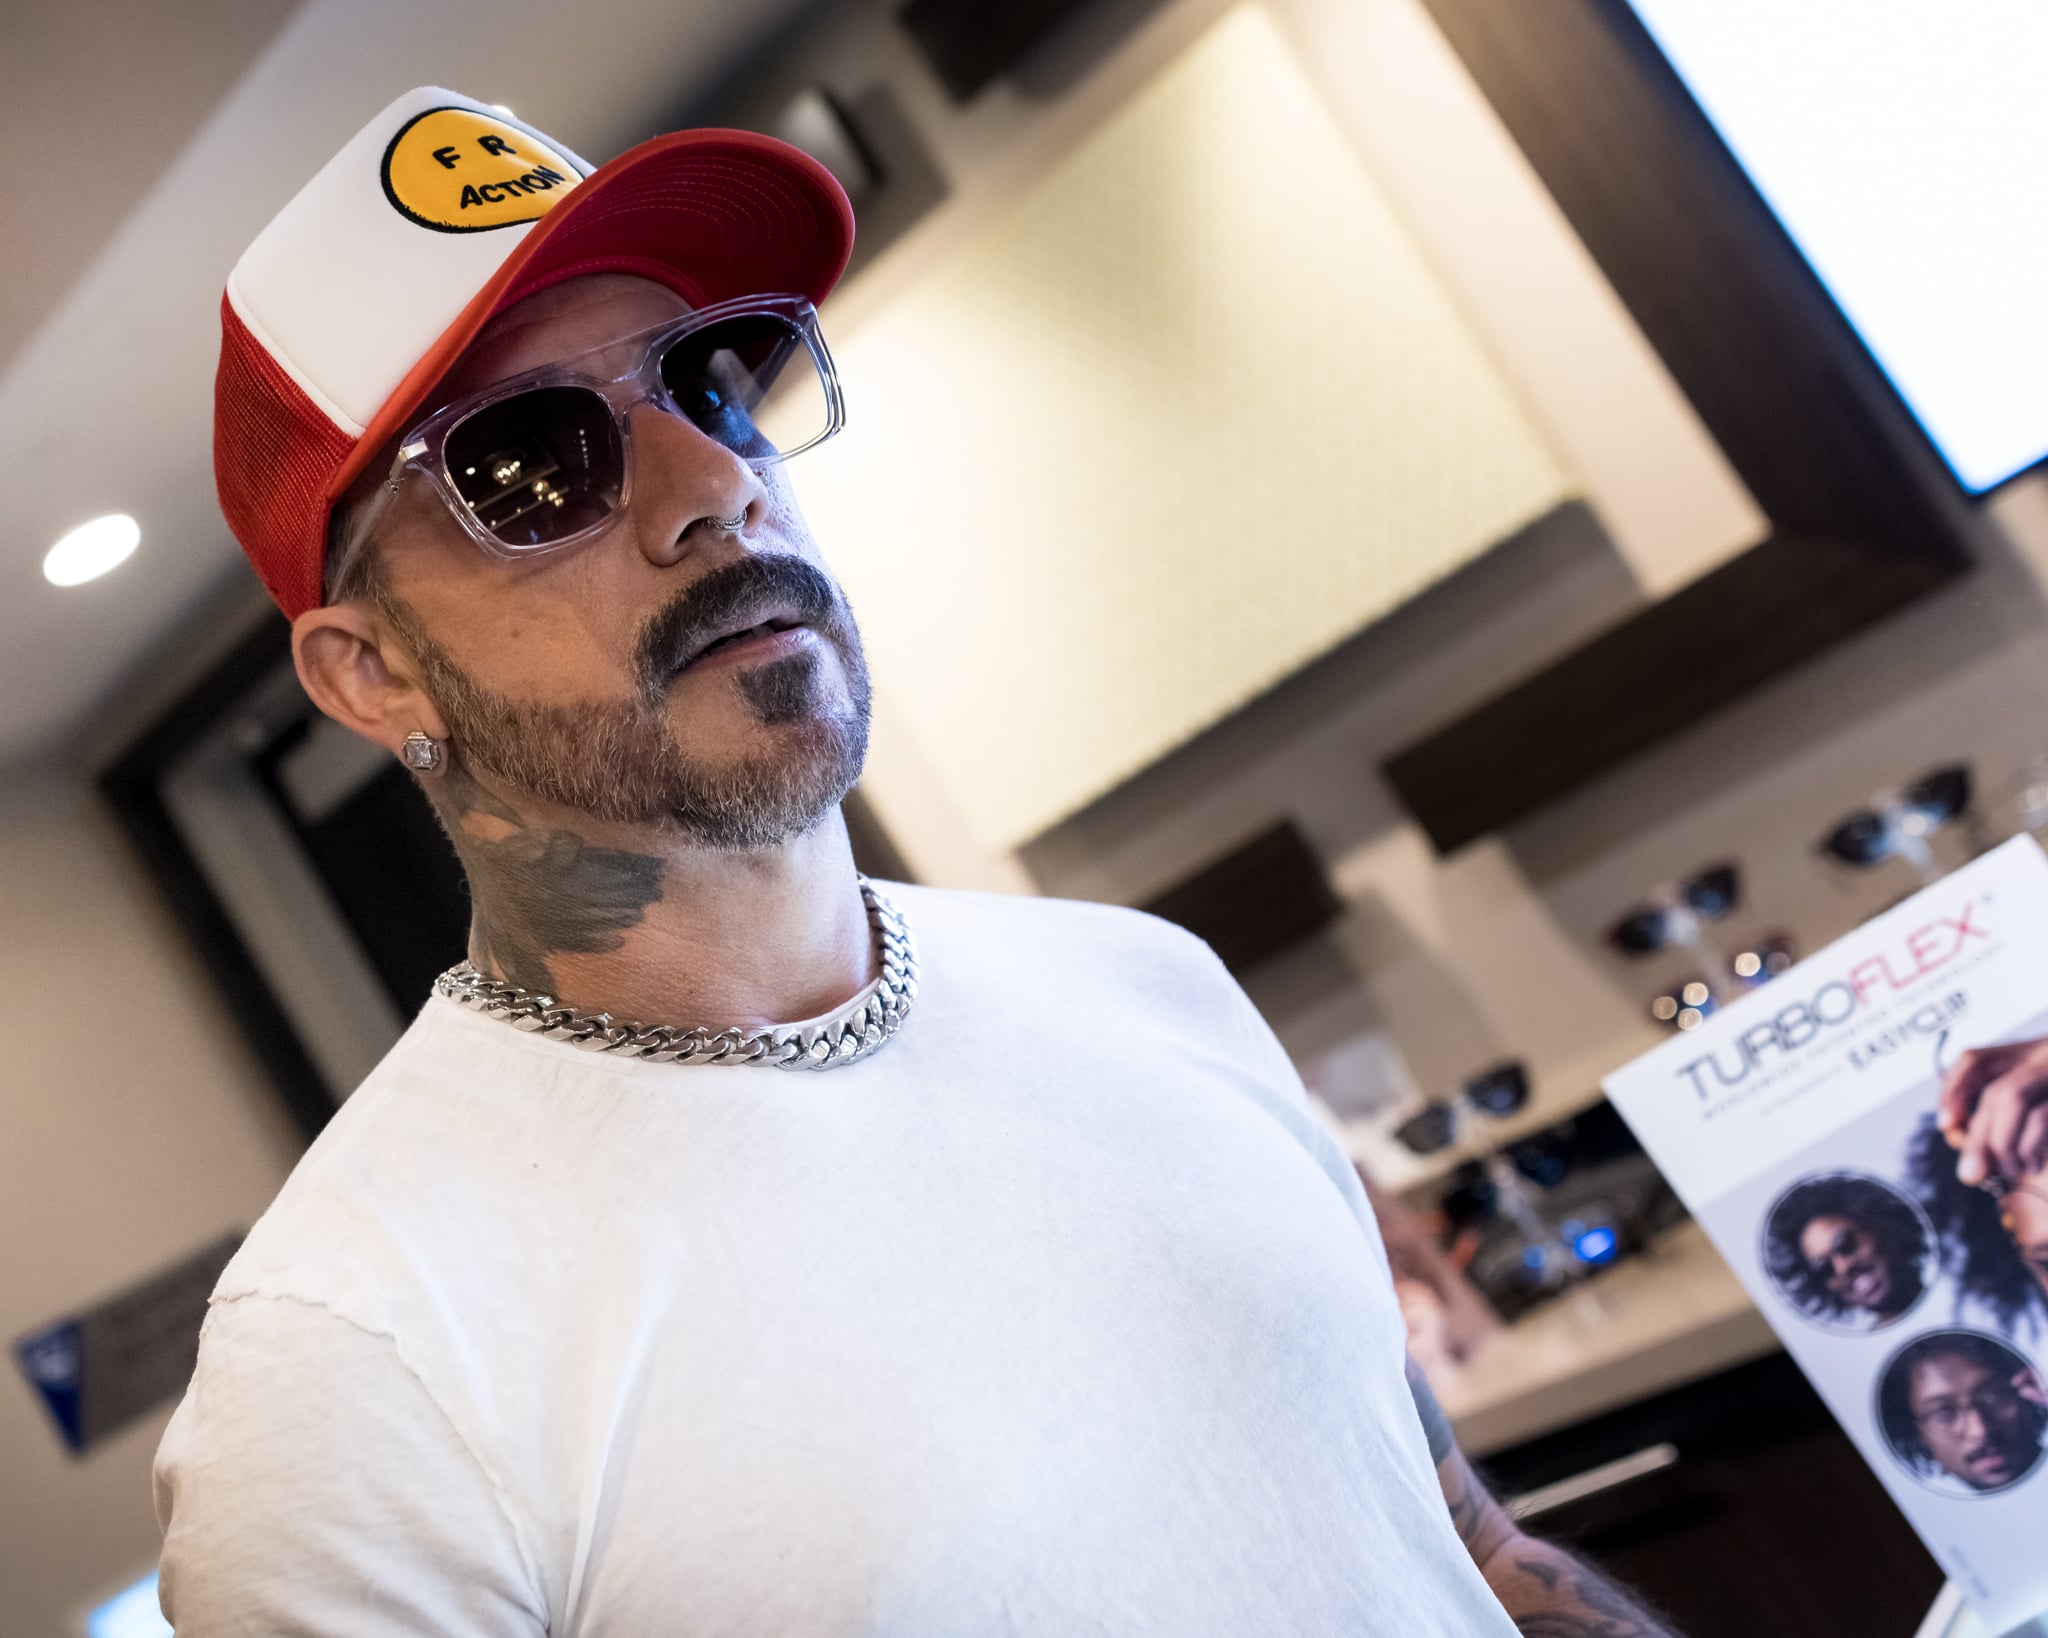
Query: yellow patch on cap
x=458, y=171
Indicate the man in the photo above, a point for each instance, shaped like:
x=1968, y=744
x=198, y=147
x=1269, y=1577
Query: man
x=1046, y=1308
x=1964, y=1404
x=1847, y=1249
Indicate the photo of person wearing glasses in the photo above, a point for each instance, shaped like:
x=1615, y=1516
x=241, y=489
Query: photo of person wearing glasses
x=1848, y=1251
x=1962, y=1406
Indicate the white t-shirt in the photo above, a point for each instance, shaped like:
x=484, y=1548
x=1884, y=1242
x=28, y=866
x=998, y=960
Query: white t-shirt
x=1059, y=1316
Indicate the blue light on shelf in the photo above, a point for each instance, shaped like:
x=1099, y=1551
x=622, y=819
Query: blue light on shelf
x=1596, y=1245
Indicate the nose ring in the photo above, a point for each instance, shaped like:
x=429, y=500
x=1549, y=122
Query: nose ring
x=731, y=525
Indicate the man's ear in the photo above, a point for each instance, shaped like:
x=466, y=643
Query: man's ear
x=350, y=667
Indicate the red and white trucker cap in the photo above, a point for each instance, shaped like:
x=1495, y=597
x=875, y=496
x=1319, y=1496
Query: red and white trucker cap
x=343, y=316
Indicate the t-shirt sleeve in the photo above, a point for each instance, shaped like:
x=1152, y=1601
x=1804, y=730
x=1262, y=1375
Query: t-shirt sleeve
x=311, y=1485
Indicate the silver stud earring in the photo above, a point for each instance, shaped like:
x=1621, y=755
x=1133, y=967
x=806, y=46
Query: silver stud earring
x=421, y=752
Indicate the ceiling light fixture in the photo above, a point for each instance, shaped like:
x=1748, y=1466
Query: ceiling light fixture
x=91, y=549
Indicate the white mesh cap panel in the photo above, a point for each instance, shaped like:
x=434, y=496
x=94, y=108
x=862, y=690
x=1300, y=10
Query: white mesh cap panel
x=347, y=292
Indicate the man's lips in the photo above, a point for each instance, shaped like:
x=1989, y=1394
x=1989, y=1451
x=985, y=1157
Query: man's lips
x=765, y=641
x=755, y=627
x=704, y=625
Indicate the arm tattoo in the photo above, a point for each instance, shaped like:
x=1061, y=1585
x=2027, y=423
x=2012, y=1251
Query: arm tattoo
x=1471, y=1508
x=1545, y=1575
x=1468, y=1511
x=1579, y=1602
x=1546, y=1592
x=540, y=893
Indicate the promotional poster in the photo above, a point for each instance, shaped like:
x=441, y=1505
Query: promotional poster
x=1866, y=1141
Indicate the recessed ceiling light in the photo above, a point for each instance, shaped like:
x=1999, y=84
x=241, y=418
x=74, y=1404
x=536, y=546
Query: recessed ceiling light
x=91, y=549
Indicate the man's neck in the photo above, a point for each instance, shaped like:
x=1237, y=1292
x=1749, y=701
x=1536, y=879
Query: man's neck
x=640, y=924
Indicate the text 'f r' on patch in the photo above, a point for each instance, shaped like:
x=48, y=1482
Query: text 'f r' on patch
x=459, y=171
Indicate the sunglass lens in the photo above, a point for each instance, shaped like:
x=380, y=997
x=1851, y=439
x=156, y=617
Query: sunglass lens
x=1941, y=795
x=1500, y=1091
x=538, y=467
x=1638, y=934
x=1429, y=1130
x=1862, y=839
x=750, y=383
x=1712, y=893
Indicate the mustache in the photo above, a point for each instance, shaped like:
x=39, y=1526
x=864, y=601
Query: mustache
x=734, y=595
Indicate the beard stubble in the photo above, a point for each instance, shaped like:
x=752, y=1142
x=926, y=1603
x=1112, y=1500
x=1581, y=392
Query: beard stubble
x=617, y=760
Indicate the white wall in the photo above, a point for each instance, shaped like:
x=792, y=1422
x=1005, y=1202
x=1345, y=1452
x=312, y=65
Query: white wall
x=134, y=1128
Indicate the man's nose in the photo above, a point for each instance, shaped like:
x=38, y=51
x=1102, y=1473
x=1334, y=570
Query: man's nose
x=683, y=477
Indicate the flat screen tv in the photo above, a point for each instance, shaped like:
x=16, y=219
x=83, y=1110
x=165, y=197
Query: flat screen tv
x=1904, y=146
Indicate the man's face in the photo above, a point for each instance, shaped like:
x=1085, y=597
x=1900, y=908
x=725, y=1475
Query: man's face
x=1846, y=1256
x=1975, y=1422
x=569, y=676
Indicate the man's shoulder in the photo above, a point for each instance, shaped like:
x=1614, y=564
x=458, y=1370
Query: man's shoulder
x=1073, y=925
x=1076, y=966
x=337, y=1230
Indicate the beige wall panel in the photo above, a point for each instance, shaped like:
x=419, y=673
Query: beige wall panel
x=1066, y=567
x=1672, y=504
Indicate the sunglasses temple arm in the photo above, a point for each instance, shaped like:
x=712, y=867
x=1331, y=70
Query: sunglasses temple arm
x=363, y=522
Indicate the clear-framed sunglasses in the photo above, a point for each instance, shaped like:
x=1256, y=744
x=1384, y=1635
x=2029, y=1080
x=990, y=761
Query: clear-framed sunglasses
x=1898, y=823
x=544, y=460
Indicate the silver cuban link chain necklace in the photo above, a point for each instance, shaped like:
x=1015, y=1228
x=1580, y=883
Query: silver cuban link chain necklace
x=843, y=1036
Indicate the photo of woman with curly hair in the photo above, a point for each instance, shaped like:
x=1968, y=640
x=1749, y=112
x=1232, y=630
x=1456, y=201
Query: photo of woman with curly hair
x=1848, y=1250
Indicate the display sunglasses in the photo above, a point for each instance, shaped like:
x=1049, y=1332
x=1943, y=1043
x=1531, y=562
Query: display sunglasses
x=1895, y=823
x=1498, y=1092
x=1673, y=919
x=544, y=460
